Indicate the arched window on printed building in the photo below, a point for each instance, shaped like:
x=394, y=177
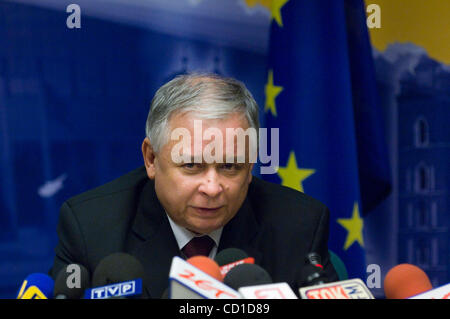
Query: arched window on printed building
x=421, y=132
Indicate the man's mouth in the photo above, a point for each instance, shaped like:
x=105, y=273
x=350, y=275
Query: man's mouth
x=207, y=210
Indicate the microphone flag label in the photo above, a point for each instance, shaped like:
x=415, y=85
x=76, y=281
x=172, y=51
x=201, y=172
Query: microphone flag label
x=442, y=292
x=346, y=289
x=31, y=292
x=121, y=289
x=271, y=291
x=189, y=282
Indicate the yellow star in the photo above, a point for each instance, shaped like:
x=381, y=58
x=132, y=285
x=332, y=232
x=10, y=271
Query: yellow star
x=275, y=11
x=272, y=92
x=354, y=226
x=292, y=176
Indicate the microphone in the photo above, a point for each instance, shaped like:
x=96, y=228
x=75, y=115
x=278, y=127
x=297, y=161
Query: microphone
x=312, y=272
x=346, y=289
x=64, y=289
x=314, y=259
x=404, y=281
x=253, y=281
x=315, y=284
x=189, y=282
x=442, y=292
x=246, y=275
x=280, y=290
x=36, y=286
x=207, y=265
x=165, y=294
x=118, y=275
x=231, y=257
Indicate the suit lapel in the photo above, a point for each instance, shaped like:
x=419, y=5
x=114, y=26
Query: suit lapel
x=154, y=243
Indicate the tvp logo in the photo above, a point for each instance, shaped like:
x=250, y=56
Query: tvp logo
x=122, y=289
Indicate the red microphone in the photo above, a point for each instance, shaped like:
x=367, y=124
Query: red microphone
x=207, y=265
x=404, y=281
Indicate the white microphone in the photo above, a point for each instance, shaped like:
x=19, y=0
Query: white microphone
x=442, y=292
x=279, y=290
x=189, y=282
x=346, y=289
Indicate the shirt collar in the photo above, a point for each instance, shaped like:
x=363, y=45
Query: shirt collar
x=183, y=235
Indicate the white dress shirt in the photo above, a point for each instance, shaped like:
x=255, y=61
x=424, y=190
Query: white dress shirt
x=184, y=236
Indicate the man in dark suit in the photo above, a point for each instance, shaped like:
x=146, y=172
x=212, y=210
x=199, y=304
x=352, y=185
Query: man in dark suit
x=192, y=189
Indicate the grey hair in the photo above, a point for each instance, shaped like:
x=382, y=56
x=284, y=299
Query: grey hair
x=210, y=96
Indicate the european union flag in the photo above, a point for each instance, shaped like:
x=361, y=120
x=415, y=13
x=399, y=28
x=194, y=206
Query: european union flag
x=309, y=98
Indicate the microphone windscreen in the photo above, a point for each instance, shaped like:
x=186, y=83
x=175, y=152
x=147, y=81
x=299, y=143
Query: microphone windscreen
x=70, y=284
x=165, y=294
x=40, y=281
x=229, y=255
x=404, y=281
x=246, y=275
x=117, y=267
x=311, y=275
x=207, y=265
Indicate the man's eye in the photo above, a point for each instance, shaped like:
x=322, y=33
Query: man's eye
x=230, y=167
x=191, y=166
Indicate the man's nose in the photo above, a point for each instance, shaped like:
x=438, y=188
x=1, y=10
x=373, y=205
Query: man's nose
x=211, y=185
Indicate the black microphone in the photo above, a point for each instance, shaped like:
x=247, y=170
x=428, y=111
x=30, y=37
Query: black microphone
x=314, y=259
x=315, y=284
x=312, y=272
x=71, y=282
x=165, y=294
x=229, y=255
x=119, y=268
x=246, y=275
x=229, y=258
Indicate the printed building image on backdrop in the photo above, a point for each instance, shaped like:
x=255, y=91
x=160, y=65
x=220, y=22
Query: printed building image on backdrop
x=412, y=63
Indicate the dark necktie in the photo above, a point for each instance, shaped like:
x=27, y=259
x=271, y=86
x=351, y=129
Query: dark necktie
x=198, y=246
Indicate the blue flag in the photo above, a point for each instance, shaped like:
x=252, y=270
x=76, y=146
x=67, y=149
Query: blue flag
x=373, y=165
x=309, y=98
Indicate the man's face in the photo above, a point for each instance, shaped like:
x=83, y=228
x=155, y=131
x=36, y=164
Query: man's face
x=200, y=196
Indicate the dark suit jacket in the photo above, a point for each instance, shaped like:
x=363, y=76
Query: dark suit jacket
x=276, y=225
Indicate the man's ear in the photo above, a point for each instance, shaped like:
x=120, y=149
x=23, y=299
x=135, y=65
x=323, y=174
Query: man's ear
x=149, y=158
x=250, y=175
